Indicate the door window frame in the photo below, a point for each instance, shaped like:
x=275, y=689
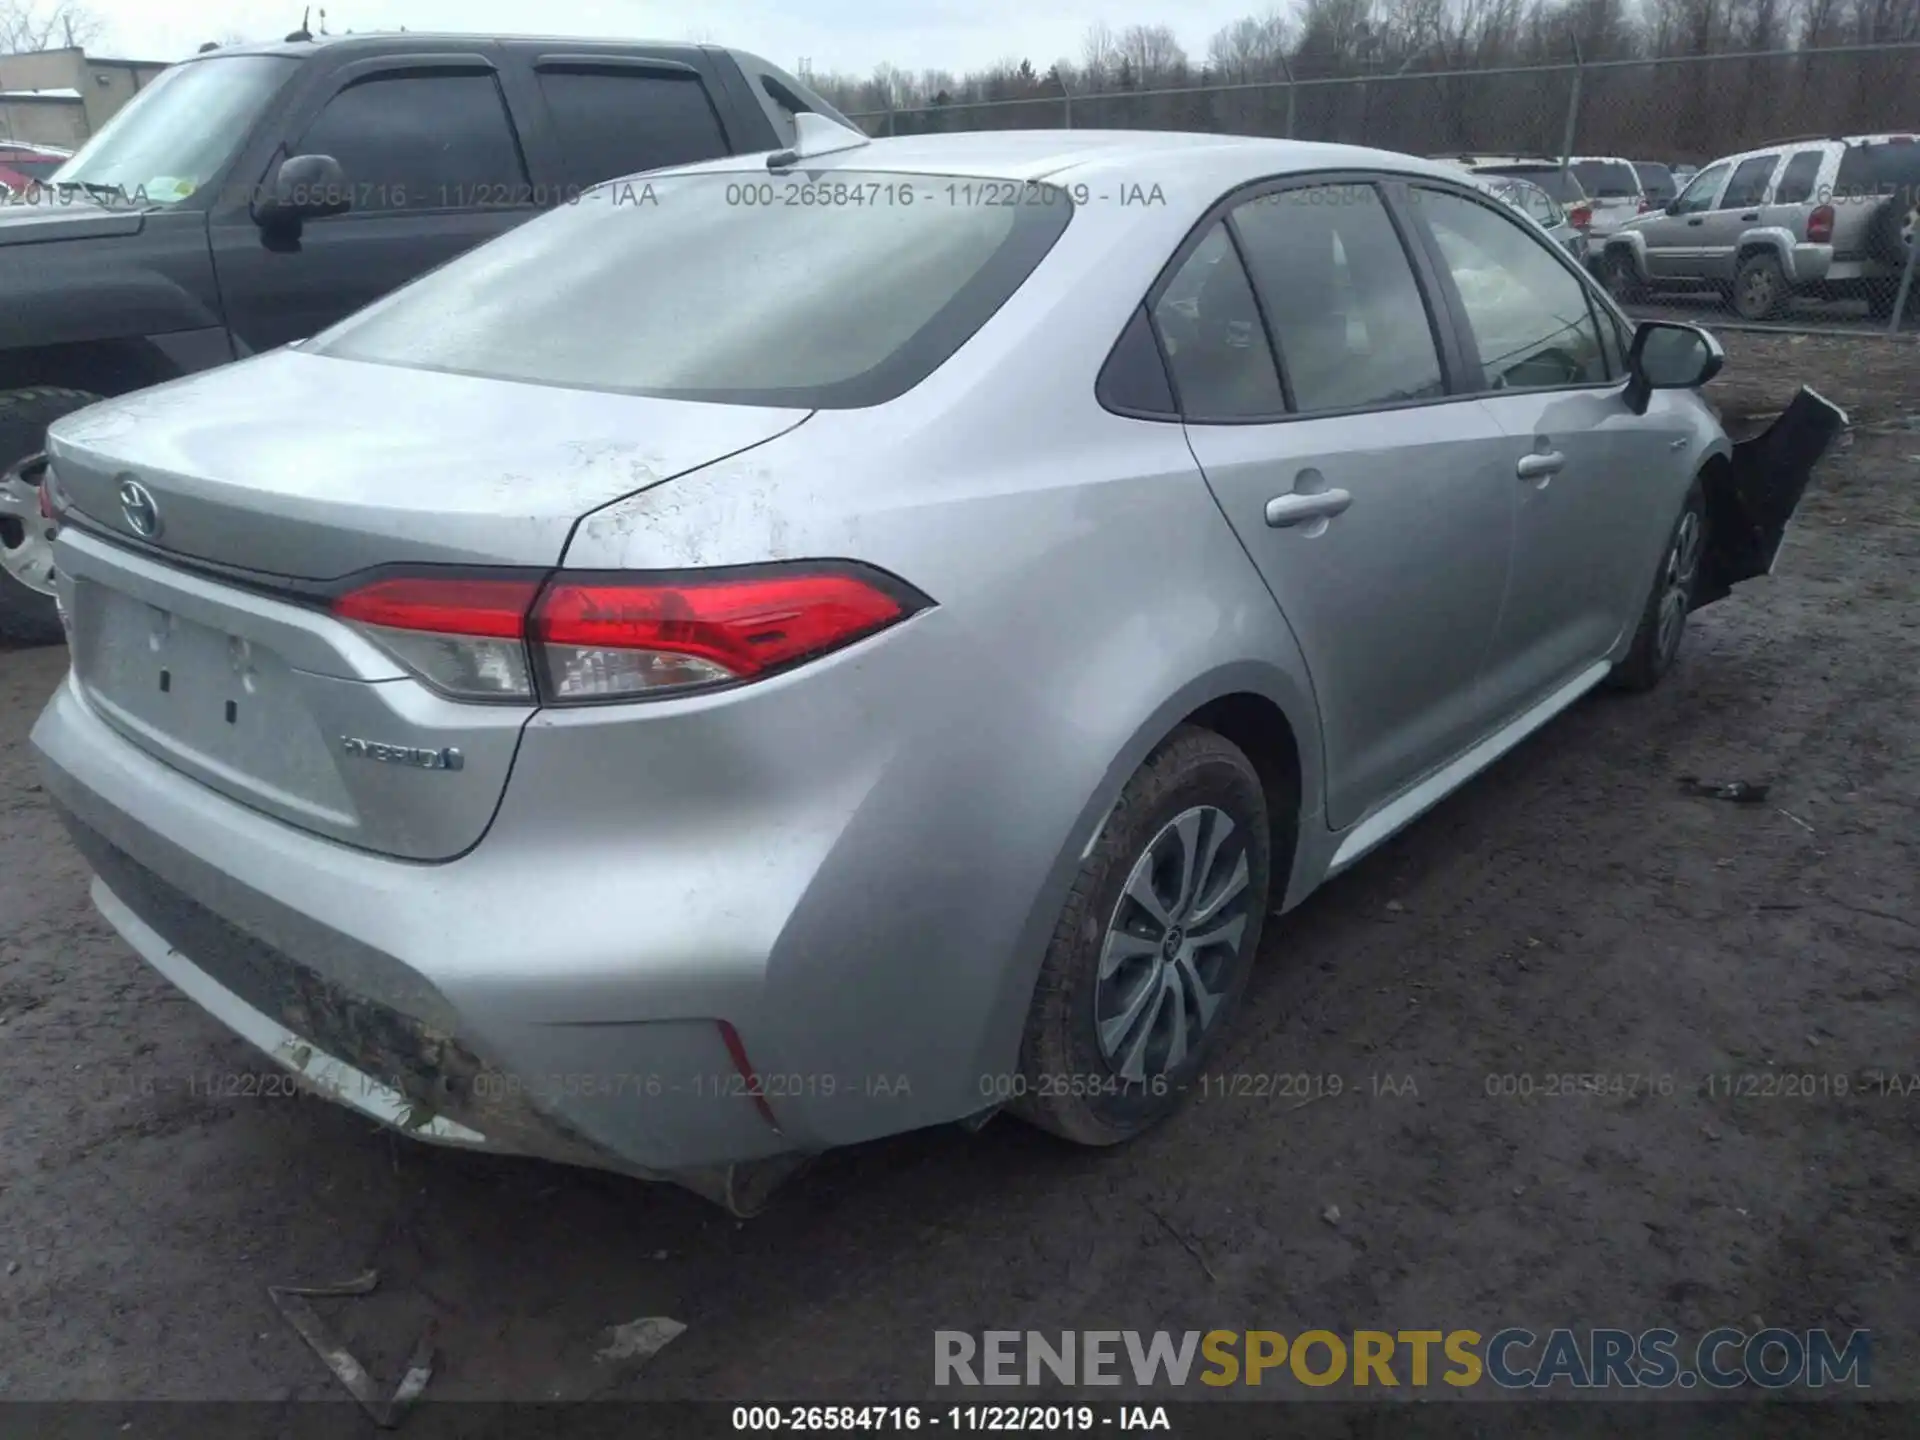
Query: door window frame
x=1446, y=340
x=383, y=67
x=1600, y=309
x=1713, y=195
x=569, y=62
x=1460, y=370
x=1725, y=200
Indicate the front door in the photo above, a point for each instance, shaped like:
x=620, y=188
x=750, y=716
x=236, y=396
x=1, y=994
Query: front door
x=434, y=166
x=1676, y=241
x=1585, y=472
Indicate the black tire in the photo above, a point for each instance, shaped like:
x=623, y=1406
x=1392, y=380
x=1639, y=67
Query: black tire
x=28, y=617
x=1760, y=287
x=1893, y=230
x=1622, y=276
x=1068, y=1084
x=1655, y=647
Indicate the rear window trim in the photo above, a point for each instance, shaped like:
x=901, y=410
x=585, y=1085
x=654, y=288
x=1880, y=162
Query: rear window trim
x=1036, y=230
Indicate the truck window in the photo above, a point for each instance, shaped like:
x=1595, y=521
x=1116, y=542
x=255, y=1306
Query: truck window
x=1749, y=183
x=615, y=122
x=421, y=142
x=1796, y=181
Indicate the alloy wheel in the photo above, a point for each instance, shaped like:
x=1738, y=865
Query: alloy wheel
x=1172, y=944
x=24, y=548
x=1676, y=584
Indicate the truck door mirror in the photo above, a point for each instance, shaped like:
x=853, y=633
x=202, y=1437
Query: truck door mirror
x=305, y=187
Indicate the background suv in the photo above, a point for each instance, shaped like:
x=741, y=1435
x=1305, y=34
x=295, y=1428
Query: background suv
x=1826, y=218
x=1615, y=190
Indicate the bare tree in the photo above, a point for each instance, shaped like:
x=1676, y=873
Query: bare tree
x=27, y=25
x=1249, y=49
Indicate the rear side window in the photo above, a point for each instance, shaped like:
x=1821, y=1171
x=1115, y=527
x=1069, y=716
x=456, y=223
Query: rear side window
x=1797, y=180
x=420, y=142
x=1134, y=379
x=705, y=287
x=1340, y=293
x=1209, y=325
x=1656, y=182
x=619, y=121
x=1607, y=179
x=1749, y=183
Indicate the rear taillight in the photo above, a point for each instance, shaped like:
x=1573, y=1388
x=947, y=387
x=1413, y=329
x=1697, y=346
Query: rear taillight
x=583, y=637
x=464, y=636
x=1581, y=216
x=1645, y=205
x=1820, y=225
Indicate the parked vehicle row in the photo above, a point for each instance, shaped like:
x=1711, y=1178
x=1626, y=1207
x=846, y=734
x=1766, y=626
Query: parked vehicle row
x=1825, y=218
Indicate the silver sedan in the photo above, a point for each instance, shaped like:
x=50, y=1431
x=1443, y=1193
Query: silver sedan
x=810, y=647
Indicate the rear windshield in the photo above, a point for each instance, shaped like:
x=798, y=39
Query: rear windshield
x=736, y=287
x=1656, y=182
x=1560, y=184
x=1607, y=179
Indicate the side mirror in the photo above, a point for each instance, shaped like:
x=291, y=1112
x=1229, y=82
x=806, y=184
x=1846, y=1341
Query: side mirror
x=305, y=187
x=1672, y=207
x=1669, y=356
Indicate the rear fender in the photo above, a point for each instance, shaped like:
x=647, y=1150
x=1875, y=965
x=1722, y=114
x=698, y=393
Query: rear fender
x=1751, y=499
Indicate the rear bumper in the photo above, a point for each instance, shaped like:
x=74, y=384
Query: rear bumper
x=1810, y=263
x=371, y=979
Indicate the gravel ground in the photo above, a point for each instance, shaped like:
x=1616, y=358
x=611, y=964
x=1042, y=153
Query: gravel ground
x=1572, y=911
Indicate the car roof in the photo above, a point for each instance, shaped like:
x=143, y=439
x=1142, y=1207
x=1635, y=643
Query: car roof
x=1801, y=142
x=1129, y=157
x=380, y=42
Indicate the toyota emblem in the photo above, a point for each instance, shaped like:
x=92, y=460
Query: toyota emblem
x=137, y=504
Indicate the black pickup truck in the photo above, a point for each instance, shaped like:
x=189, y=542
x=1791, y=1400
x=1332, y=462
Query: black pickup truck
x=251, y=196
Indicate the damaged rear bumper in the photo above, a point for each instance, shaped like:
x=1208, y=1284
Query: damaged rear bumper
x=468, y=1067
x=1751, y=500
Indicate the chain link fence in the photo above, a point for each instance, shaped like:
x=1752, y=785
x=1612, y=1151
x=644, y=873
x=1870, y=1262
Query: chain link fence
x=1801, y=226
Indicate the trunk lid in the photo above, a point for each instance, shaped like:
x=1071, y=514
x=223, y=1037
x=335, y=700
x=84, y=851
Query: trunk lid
x=297, y=465
x=293, y=467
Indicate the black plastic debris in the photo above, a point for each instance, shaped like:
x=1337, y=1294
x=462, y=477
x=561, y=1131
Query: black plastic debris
x=1739, y=792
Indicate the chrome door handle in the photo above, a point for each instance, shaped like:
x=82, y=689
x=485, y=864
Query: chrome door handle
x=1532, y=467
x=1285, y=510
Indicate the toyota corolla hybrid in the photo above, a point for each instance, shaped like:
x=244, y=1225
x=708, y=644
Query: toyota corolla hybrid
x=815, y=646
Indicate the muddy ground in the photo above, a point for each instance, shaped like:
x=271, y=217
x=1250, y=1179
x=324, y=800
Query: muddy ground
x=1572, y=911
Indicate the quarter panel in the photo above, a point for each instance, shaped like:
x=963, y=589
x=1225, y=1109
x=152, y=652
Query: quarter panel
x=1087, y=595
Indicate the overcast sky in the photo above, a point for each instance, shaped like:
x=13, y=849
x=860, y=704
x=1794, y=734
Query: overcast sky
x=842, y=35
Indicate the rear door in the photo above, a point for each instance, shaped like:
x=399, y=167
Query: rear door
x=1792, y=200
x=1368, y=495
x=1585, y=472
x=611, y=116
x=436, y=166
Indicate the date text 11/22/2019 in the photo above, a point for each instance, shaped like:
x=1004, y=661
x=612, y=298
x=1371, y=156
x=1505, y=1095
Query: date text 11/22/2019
x=901, y=1419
